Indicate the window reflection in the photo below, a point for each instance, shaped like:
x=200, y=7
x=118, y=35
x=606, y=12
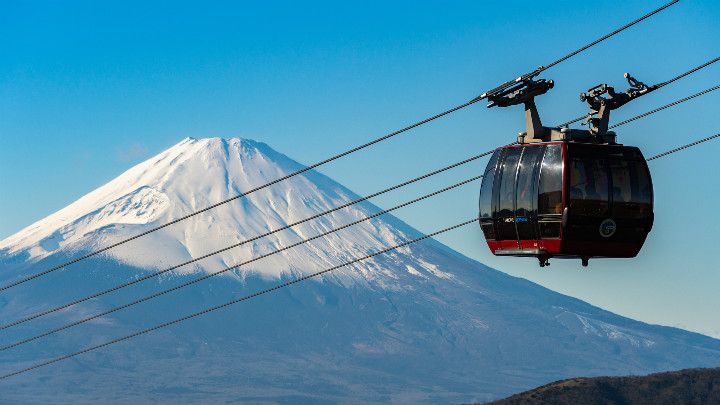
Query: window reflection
x=506, y=207
x=486, y=187
x=589, y=187
x=486, y=197
x=550, y=198
x=632, y=189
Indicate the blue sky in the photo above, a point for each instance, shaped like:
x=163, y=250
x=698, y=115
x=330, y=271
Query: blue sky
x=89, y=89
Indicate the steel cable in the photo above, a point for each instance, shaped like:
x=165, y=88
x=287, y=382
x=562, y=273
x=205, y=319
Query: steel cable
x=663, y=84
x=541, y=69
x=670, y=152
x=673, y=104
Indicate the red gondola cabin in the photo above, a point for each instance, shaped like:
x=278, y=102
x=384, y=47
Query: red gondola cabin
x=566, y=199
x=561, y=192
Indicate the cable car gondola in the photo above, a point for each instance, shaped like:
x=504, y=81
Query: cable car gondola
x=566, y=193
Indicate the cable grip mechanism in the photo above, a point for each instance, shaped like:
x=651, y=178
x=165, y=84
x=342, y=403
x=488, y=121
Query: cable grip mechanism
x=524, y=92
x=603, y=98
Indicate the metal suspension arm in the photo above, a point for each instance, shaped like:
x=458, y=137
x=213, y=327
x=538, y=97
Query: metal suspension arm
x=601, y=105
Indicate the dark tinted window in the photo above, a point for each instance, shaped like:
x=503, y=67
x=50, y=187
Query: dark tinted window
x=505, y=225
x=632, y=189
x=589, y=186
x=486, y=191
x=527, y=178
x=507, y=182
x=550, y=198
x=486, y=197
x=526, y=197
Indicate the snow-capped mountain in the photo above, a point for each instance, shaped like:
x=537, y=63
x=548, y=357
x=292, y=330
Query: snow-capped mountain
x=193, y=175
x=423, y=324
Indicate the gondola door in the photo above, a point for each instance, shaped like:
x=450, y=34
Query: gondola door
x=526, y=198
x=589, y=200
x=507, y=235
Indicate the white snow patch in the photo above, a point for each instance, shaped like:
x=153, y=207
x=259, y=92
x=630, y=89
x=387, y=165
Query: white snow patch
x=612, y=332
x=197, y=173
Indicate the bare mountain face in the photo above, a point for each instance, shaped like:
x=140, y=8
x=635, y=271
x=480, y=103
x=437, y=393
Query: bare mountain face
x=423, y=324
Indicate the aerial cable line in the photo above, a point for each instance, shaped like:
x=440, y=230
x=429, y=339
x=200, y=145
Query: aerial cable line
x=541, y=69
x=219, y=272
x=271, y=232
x=235, y=301
x=673, y=104
x=665, y=83
x=690, y=145
x=340, y=155
x=654, y=87
x=280, y=286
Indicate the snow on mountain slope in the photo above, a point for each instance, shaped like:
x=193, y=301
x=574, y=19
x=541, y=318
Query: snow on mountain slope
x=423, y=324
x=195, y=174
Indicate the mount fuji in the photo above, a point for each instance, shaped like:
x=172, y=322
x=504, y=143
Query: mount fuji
x=422, y=324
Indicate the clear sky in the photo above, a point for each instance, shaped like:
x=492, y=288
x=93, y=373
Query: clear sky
x=87, y=89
